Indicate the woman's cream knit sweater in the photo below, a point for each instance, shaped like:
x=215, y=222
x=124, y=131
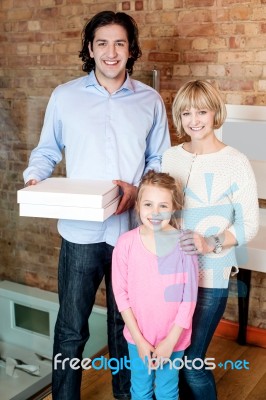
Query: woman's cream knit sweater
x=220, y=193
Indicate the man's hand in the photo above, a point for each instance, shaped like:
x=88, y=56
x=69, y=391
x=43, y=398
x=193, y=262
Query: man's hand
x=31, y=182
x=128, y=198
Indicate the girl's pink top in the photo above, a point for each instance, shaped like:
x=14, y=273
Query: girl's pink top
x=161, y=291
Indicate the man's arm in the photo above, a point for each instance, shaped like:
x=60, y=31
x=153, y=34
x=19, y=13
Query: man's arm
x=157, y=142
x=48, y=152
x=158, y=139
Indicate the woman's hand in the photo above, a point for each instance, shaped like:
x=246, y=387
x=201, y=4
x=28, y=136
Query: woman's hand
x=193, y=243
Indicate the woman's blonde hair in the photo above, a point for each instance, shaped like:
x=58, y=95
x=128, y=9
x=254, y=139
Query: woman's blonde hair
x=165, y=181
x=198, y=94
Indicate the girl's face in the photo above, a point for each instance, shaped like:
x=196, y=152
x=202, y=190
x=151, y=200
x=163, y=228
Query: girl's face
x=155, y=208
x=198, y=124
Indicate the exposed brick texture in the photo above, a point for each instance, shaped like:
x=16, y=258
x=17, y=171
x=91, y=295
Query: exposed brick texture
x=223, y=41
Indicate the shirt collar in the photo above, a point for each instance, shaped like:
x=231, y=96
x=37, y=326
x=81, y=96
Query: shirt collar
x=92, y=81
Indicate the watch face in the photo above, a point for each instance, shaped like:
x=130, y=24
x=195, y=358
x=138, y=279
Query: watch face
x=218, y=247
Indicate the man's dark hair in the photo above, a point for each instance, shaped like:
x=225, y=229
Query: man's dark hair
x=108, y=18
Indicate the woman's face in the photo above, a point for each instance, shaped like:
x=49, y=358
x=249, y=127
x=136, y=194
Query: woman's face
x=198, y=123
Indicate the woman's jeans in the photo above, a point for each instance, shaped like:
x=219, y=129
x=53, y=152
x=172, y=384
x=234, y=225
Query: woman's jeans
x=161, y=381
x=81, y=270
x=199, y=384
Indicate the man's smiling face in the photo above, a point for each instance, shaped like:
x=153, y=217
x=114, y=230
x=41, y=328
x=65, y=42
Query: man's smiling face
x=110, y=50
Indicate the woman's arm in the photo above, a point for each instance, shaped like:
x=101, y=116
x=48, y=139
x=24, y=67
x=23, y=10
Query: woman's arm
x=244, y=226
x=193, y=243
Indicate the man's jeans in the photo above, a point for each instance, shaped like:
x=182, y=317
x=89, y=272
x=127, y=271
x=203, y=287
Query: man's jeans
x=81, y=270
x=199, y=384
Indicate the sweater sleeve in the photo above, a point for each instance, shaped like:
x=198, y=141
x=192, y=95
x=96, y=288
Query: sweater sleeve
x=245, y=202
x=188, y=303
x=120, y=274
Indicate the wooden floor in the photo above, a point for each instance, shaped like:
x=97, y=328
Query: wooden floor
x=232, y=384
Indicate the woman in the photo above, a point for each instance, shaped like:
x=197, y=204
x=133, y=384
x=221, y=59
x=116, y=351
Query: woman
x=220, y=214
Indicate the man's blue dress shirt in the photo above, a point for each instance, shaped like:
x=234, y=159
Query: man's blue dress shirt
x=104, y=136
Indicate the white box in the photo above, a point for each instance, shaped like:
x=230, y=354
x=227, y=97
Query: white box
x=65, y=198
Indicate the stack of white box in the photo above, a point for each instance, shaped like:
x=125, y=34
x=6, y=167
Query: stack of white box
x=65, y=198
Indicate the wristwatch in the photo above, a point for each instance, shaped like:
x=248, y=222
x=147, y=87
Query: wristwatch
x=218, y=245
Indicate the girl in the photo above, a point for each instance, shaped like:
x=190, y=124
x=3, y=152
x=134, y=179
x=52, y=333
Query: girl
x=155, y=287
x=220, y=214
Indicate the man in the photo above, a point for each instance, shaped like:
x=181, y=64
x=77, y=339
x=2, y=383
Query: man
x=111, y=128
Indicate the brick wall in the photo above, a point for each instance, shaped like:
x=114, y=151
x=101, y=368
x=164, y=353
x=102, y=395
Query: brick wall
x=222, y=40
